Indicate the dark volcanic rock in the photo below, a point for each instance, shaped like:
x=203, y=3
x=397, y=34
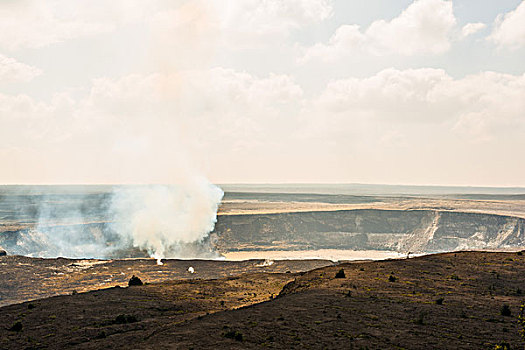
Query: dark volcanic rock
x=3, y=252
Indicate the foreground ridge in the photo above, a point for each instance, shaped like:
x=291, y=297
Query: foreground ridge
x=461, y=300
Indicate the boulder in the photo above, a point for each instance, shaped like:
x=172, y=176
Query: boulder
x=3, y=252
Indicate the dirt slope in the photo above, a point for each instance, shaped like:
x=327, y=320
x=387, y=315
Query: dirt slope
x=448, y=301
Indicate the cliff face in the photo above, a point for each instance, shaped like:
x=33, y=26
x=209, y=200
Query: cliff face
x=416, y=231
x=364, y=229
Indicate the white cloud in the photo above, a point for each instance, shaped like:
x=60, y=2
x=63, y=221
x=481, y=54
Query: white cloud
x=471, y=28
x=471, y=105
x=424, y=27
x=254, y=23
x=234, y=109
x=38, y=24
x=273, y=16
x=35, y=24
x=11, y=70
x=509, y=29
x=238, y=124
x=137, y=116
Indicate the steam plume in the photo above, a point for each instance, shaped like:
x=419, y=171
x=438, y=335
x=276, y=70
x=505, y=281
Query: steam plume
x=162, y=219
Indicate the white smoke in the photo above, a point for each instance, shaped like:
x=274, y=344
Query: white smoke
x=162, y=219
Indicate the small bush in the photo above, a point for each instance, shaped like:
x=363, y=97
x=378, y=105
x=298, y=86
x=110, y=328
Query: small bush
x=123, y=319
x=101, y=335
x=135, y=281
x=16, y=327
x=420, y=320
x=505, y=310
x=234, y=335
x=340, y=274
x=392, y=278
x=440, y=301
x=31, y=306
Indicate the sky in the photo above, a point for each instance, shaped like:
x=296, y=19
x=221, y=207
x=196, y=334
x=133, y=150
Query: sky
x=263, y=91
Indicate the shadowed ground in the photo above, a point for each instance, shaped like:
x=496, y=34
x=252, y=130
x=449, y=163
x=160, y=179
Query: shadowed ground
x=451, y=301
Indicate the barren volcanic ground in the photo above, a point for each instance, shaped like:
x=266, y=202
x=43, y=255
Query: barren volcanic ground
x=463, y=300
x=23, y=278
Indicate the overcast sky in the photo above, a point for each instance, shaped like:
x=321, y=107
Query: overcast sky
x=262, y=91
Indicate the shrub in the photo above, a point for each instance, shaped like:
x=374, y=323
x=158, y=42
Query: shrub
x=135, y=281
x=234, y=335
x=420, y=320
x=123, y=319
x=101, y=335
x=340, y=274
x=440, y=301
x=502, y=346
x=16, y=327
x=392, y=278
x=505, y=310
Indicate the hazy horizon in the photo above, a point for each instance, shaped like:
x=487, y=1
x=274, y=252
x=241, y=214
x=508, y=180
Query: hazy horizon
x=321, y=188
